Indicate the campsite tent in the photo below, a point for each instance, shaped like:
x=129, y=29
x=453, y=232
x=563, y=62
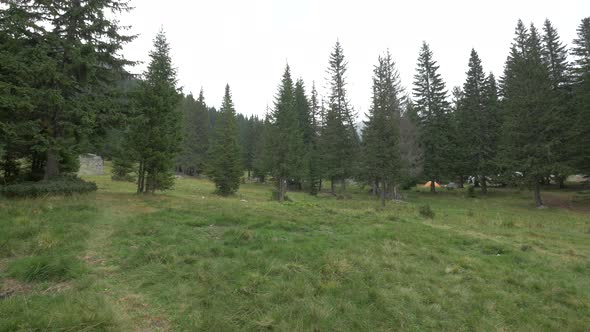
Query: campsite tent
x=427, y=184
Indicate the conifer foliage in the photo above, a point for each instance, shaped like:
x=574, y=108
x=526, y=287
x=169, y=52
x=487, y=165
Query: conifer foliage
x=225, y=163
x=155, y=134
x=529, y=145
x=381, y=135
x=430, y=97
x=287, y=148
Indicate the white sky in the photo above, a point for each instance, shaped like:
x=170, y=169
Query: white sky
x=247, y=43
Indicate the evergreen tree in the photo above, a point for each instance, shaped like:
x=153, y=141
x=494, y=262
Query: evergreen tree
x=340, y=142
x=581, y=71
x=555, y=57
x=287, y=151
x=479, y=125
x=529, y=143
x=155, y=133
x=225, y=164
x=314, y=164
x=461, y=132
x=381, y=135
x=303, y=109
x=262, y=160
x=432, y=108
x=73, y=47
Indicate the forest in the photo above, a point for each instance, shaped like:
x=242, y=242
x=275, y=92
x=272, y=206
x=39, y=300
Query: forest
x=67, y=90
x=437, y=208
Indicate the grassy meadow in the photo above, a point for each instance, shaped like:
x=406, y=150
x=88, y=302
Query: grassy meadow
x=189, y=260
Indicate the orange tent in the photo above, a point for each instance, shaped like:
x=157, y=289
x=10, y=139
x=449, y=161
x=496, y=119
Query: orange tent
x=427, y=184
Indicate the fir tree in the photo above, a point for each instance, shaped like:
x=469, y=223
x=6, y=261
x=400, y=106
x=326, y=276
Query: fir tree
x=381, y=135
x=340, y=142
x=479, y=125
x=432, y=108
x=225, y=164
x=287, y=149
x=155, y=133
x=529, y=145
x=581, y=71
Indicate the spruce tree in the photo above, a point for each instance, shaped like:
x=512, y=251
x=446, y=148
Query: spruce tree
x=381, y=135
x=314, y=164
x=555, y=57
x=340, y=142
x=155, y=132
x=225, y=163
x=69, y=54
x=581, y=81
x=529, y=144
x=432, y=108
x=287, y=148
x=479, y=125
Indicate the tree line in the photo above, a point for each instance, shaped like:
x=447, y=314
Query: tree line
x=65, y=90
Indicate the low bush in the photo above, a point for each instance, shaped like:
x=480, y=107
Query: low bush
x=426, y=212
x=470, y=193
x=64, y=185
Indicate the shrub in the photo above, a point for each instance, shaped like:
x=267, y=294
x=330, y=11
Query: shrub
x=63, y=185
x=122, y=170
x=426, y=212
x=470, y=192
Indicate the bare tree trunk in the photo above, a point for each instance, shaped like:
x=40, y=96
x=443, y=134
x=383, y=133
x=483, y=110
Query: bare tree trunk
x=333, y=186
x=52, y=165
x=281, y=189
x=320, y=186
x=561, y=180
x=432, y=185
x=376, y=187
x=140, y=177
x=461, y=181
x=343, y=184
x=383, y=190
x=484, y=185
x=537, y=194
x=396, y=194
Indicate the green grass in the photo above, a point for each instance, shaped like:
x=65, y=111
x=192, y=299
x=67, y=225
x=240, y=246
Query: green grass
x=189, y=260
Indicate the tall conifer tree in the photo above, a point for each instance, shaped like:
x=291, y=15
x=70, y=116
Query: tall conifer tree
x=155, y=133
x=381, y=135
x=529, y=145
x=340, y=142
x=225, y=162
x=431, y=103
x=581, y=71
x=287, y=148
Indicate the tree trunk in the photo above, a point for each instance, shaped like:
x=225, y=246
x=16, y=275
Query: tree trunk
x=52, y=165
x=537, y=194
x=383, y=193
x=343, y=184
x=281, y=189
x=320, y=186
x=396, y=194
x=484, y=185
x=432, y=185
x=248, y=174
x=333, y=186
x=561, y=180
x=461, y=182
x=376, y=187
x=140, y=177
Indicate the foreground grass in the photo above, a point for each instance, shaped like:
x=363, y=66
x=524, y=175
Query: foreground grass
x=188, y=260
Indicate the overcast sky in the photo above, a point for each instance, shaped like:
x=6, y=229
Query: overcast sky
x=248, y=43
